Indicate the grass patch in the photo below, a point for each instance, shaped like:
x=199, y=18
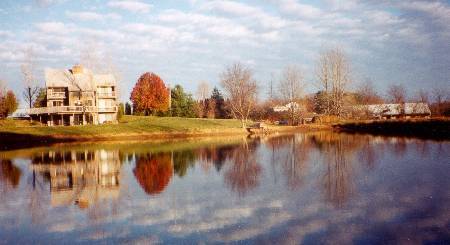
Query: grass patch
x=128, y=125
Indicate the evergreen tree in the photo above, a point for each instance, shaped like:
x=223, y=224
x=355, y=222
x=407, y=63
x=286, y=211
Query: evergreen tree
x=127, y=109
x=182, y=103
x=219, y=104
x=121, y=111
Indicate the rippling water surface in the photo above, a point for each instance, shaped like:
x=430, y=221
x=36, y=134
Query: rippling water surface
x=305, y=188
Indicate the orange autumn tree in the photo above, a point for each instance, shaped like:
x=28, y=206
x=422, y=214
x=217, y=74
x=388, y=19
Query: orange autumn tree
x=150, y=94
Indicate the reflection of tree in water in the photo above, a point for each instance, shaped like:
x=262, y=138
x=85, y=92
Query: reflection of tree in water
x=215, y=155
x=399, y=146
x=153, y=172
x=338, y=150
x=291, y=152
x=244, y=170
x=9, y=174
x=422, y=148
x=182, y=160
x=367, y=153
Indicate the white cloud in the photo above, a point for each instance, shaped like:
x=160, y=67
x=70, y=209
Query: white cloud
x=6, y=34
x=131, y=5
x=299, y=9
x=51, y=27
x=92, y=16
x=257, y=15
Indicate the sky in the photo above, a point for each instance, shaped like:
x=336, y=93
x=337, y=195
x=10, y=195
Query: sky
x=185, y=42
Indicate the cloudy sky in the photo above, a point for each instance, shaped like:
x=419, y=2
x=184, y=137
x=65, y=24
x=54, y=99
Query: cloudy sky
x=404, y=42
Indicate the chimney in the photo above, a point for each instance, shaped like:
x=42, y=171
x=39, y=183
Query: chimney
x=77, y=69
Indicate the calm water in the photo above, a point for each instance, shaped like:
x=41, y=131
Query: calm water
x=304, y=188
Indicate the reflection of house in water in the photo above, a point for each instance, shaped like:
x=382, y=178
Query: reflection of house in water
x=81, y=177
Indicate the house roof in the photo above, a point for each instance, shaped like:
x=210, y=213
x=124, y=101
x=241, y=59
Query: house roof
x=280, y=108
x=86, y=80
x=396, y=109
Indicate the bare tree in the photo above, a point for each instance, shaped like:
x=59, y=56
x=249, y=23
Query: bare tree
x=367, y=93
x=396, y=93
x=333, y=75
x=291, y=90
x=31, y=90
x=439, y=97
x=99, y=61
x=241, y=90
x=422, y=96
x=203, y=90
x=271, y=92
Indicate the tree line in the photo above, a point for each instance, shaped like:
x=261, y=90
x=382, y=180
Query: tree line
x=337, y=92
x=237, y=96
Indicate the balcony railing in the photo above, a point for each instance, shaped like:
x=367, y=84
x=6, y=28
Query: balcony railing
x=70, y=109
x=107, y=109
x=106, y=95
x=56, y=95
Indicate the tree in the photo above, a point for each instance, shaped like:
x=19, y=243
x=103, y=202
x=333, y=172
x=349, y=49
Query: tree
x=127, y=109
x=320, y=102
x=366, y=94
x=217, y=104
x=8, y=104
x=439, y=97
x=210, y=108
x=120, y=111
x=182, y=103
x=202, y=90
x=30, y=91
x=41, y=99
x=333, y=75
x=241, y=90
x=396, y=93
x=291, y=90
x=150, y=94
x=422, y=96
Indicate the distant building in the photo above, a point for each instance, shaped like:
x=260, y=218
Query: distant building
x=291, y=105
x=77, y=97
x=390, y=111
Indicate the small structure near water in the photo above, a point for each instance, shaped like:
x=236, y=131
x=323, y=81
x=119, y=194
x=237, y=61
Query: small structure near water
x=258, y=128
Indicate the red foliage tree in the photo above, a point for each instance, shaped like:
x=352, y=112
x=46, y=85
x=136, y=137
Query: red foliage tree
x=150, y=94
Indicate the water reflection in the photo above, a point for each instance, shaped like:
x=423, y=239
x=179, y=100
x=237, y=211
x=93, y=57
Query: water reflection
x=298, y=188
x=153, y=172
x=244, y=170
x=292, y=153
x=81, y=177
x=9, y=174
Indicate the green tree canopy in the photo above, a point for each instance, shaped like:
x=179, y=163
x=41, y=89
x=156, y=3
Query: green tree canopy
x=182, y=104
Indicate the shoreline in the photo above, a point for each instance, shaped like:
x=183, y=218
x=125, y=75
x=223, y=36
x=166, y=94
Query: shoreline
x=426, y=129
x=13, y=140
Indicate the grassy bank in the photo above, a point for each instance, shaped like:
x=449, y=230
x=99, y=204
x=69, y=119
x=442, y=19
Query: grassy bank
x=19, y=134
x=127, y=125
x=437, y=129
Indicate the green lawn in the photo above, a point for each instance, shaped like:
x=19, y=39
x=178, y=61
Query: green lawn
x=128, y=125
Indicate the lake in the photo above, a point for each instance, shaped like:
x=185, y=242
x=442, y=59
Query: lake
x=310, y=188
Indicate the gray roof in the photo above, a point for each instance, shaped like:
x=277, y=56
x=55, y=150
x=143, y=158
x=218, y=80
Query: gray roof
x=86, y=81
x=396, y=109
